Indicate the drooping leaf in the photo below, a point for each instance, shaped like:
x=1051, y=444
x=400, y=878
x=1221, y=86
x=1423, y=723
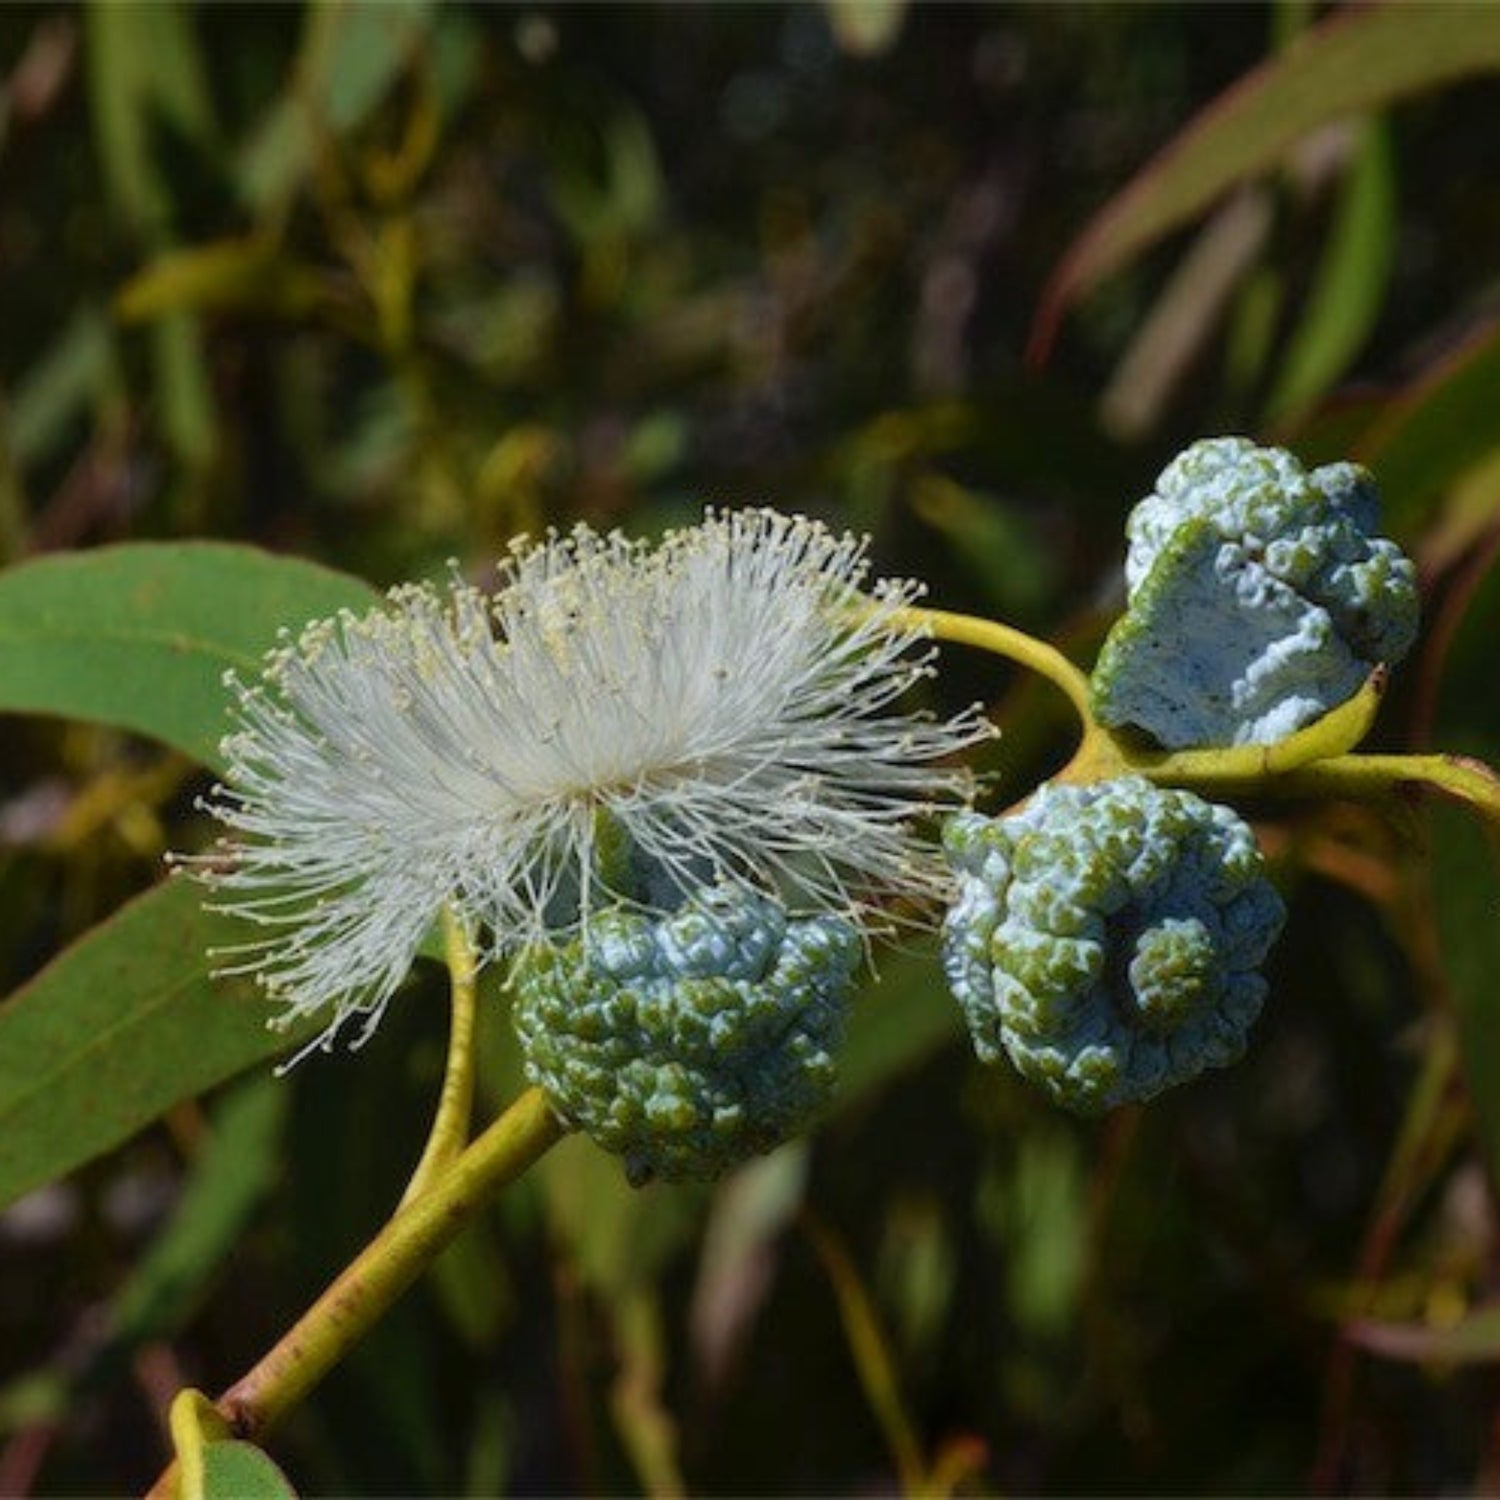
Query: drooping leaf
x=1190, y=308
x=1474, y=1339
x=146, y=78
x=1346, y=295
x=618, y=1235
x=145, y=71
x=747, y=1217
x=350, y=56
x=141, y=635
x=1357, y=61
x=120, y=1027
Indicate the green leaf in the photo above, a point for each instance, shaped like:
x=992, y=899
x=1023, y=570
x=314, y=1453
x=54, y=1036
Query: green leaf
x=1346, y=296
x=1437, y=431
x=1188, y=312
x=1355, y=62
x=117, y=1029
x=240, y=1471
x=140, y=636
x=350, y=57
x=994, y=542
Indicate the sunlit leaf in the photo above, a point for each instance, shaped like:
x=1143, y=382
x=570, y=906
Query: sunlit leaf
x=1354, y=62
x=140, y=636
x=865, y=27
x=120, y=1027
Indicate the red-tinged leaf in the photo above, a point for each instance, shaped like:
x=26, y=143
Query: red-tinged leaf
x=1357, y=61
x=1474, y=1339
x=1438, y=430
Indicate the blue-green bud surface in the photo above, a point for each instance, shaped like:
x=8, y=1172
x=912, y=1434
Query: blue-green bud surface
x=1108, y=938
x=1259, y=599
x=689, y=1042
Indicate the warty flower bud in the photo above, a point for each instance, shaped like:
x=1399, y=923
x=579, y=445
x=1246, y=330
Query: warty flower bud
x=689, y=1042
x=1259, y=599
x=1108, y=938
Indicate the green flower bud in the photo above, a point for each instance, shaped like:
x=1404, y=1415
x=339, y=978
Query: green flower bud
x=1259, y=599
x=689, y=1042
x=1108, y=938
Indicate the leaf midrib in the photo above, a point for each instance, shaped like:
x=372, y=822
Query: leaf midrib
x=132, y=1018
x=134, y=637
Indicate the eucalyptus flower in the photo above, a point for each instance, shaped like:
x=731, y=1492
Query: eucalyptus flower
x=617, y=723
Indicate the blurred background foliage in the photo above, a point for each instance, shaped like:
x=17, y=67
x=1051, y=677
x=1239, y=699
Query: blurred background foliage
x=383, y=285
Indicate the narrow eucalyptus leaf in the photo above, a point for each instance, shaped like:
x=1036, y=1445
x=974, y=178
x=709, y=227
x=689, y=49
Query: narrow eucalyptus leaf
x=119, y=1028
x=140, y=635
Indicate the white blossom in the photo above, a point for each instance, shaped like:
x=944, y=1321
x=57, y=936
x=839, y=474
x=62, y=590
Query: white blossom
x=728, y=698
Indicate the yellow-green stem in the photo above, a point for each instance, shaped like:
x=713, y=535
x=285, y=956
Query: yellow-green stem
x=1334, y=735
x=1355, y=777
x=1361, y=776
x=408, y=1244
x=388, y=1265
x=1004, y=640
x=450, y=1126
